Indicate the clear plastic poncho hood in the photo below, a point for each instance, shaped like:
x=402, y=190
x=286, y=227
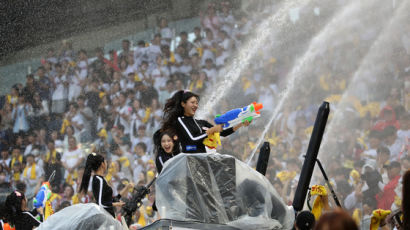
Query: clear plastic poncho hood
x=81, y=216
x=214, y=188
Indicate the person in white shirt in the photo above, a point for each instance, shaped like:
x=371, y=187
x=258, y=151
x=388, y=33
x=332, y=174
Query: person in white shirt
x=87, y=118
x=82, y=64
x=31, y=143
x=221, y=57
x=207, y=44
x=167, y=92
x=165, y=31
x=130, y=83
x=224, y=41
x=154, y=122
x=142, y=137
x=30, y=177
x=60, y=94
x=374, y=143
x=154, y=49
x=124, y=113
x=142, y=153
x=73, y=157
x=74, y=80
x=144, y=74
x=210, y=70
x=132, y=65
x=140, y=53
x=186, y=66
x=394, y=143
x=404, y=132
x=226, y=18
x=75, y=118
x=160, y=74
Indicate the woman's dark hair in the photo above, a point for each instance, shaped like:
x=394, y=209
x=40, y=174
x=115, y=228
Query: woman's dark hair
x=12, y=206
x=157, y=141
x=93, y=162
x=405, y=204
x=173, y=108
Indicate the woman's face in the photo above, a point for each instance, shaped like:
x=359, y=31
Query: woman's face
x=190, y=106
x=167, y=144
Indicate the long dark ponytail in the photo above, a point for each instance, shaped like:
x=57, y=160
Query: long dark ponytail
x=12, y=207
x=173, y=108
x=93, y=162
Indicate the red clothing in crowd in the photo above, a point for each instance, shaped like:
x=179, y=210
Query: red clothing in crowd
x=382, y=123
x=385, y=200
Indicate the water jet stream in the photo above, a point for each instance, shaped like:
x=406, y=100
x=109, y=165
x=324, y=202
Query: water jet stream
x=314, y=49
x=247, y=52
x=367, y=63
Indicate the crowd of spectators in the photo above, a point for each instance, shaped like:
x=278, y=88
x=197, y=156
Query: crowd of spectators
x=111, y=102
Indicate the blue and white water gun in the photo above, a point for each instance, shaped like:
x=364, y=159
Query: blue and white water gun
x=239, y=115
x=44, y=193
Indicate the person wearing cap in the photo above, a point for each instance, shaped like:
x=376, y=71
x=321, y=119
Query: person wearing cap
x=305, y=221
x=385, y=198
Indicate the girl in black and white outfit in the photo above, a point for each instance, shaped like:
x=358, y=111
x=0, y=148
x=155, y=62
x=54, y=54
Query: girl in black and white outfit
x=102, y=192
x=166, y=147
x=17, y=214
x=179, y=114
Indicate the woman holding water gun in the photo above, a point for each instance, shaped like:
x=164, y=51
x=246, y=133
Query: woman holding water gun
x=17, y=214
x=179, y=112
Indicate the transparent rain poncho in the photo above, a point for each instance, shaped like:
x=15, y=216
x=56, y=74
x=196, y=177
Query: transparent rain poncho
x=219, y=189
x=81, y=216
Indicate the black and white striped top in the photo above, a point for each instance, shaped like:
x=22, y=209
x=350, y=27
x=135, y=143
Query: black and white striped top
x=103, y=194
x=192, y=132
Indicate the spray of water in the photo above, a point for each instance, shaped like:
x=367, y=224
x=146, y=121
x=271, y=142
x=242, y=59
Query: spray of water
x=365, y=68
x=314, y=49
x=247, y=52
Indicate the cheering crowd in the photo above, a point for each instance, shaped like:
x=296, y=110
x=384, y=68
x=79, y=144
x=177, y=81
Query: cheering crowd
x=78, y=102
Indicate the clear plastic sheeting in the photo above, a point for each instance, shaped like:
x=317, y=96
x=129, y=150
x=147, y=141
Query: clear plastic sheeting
x=81, y=216
x=219, y=189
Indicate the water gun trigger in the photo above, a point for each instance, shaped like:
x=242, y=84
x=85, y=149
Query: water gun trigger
x=247, y=119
